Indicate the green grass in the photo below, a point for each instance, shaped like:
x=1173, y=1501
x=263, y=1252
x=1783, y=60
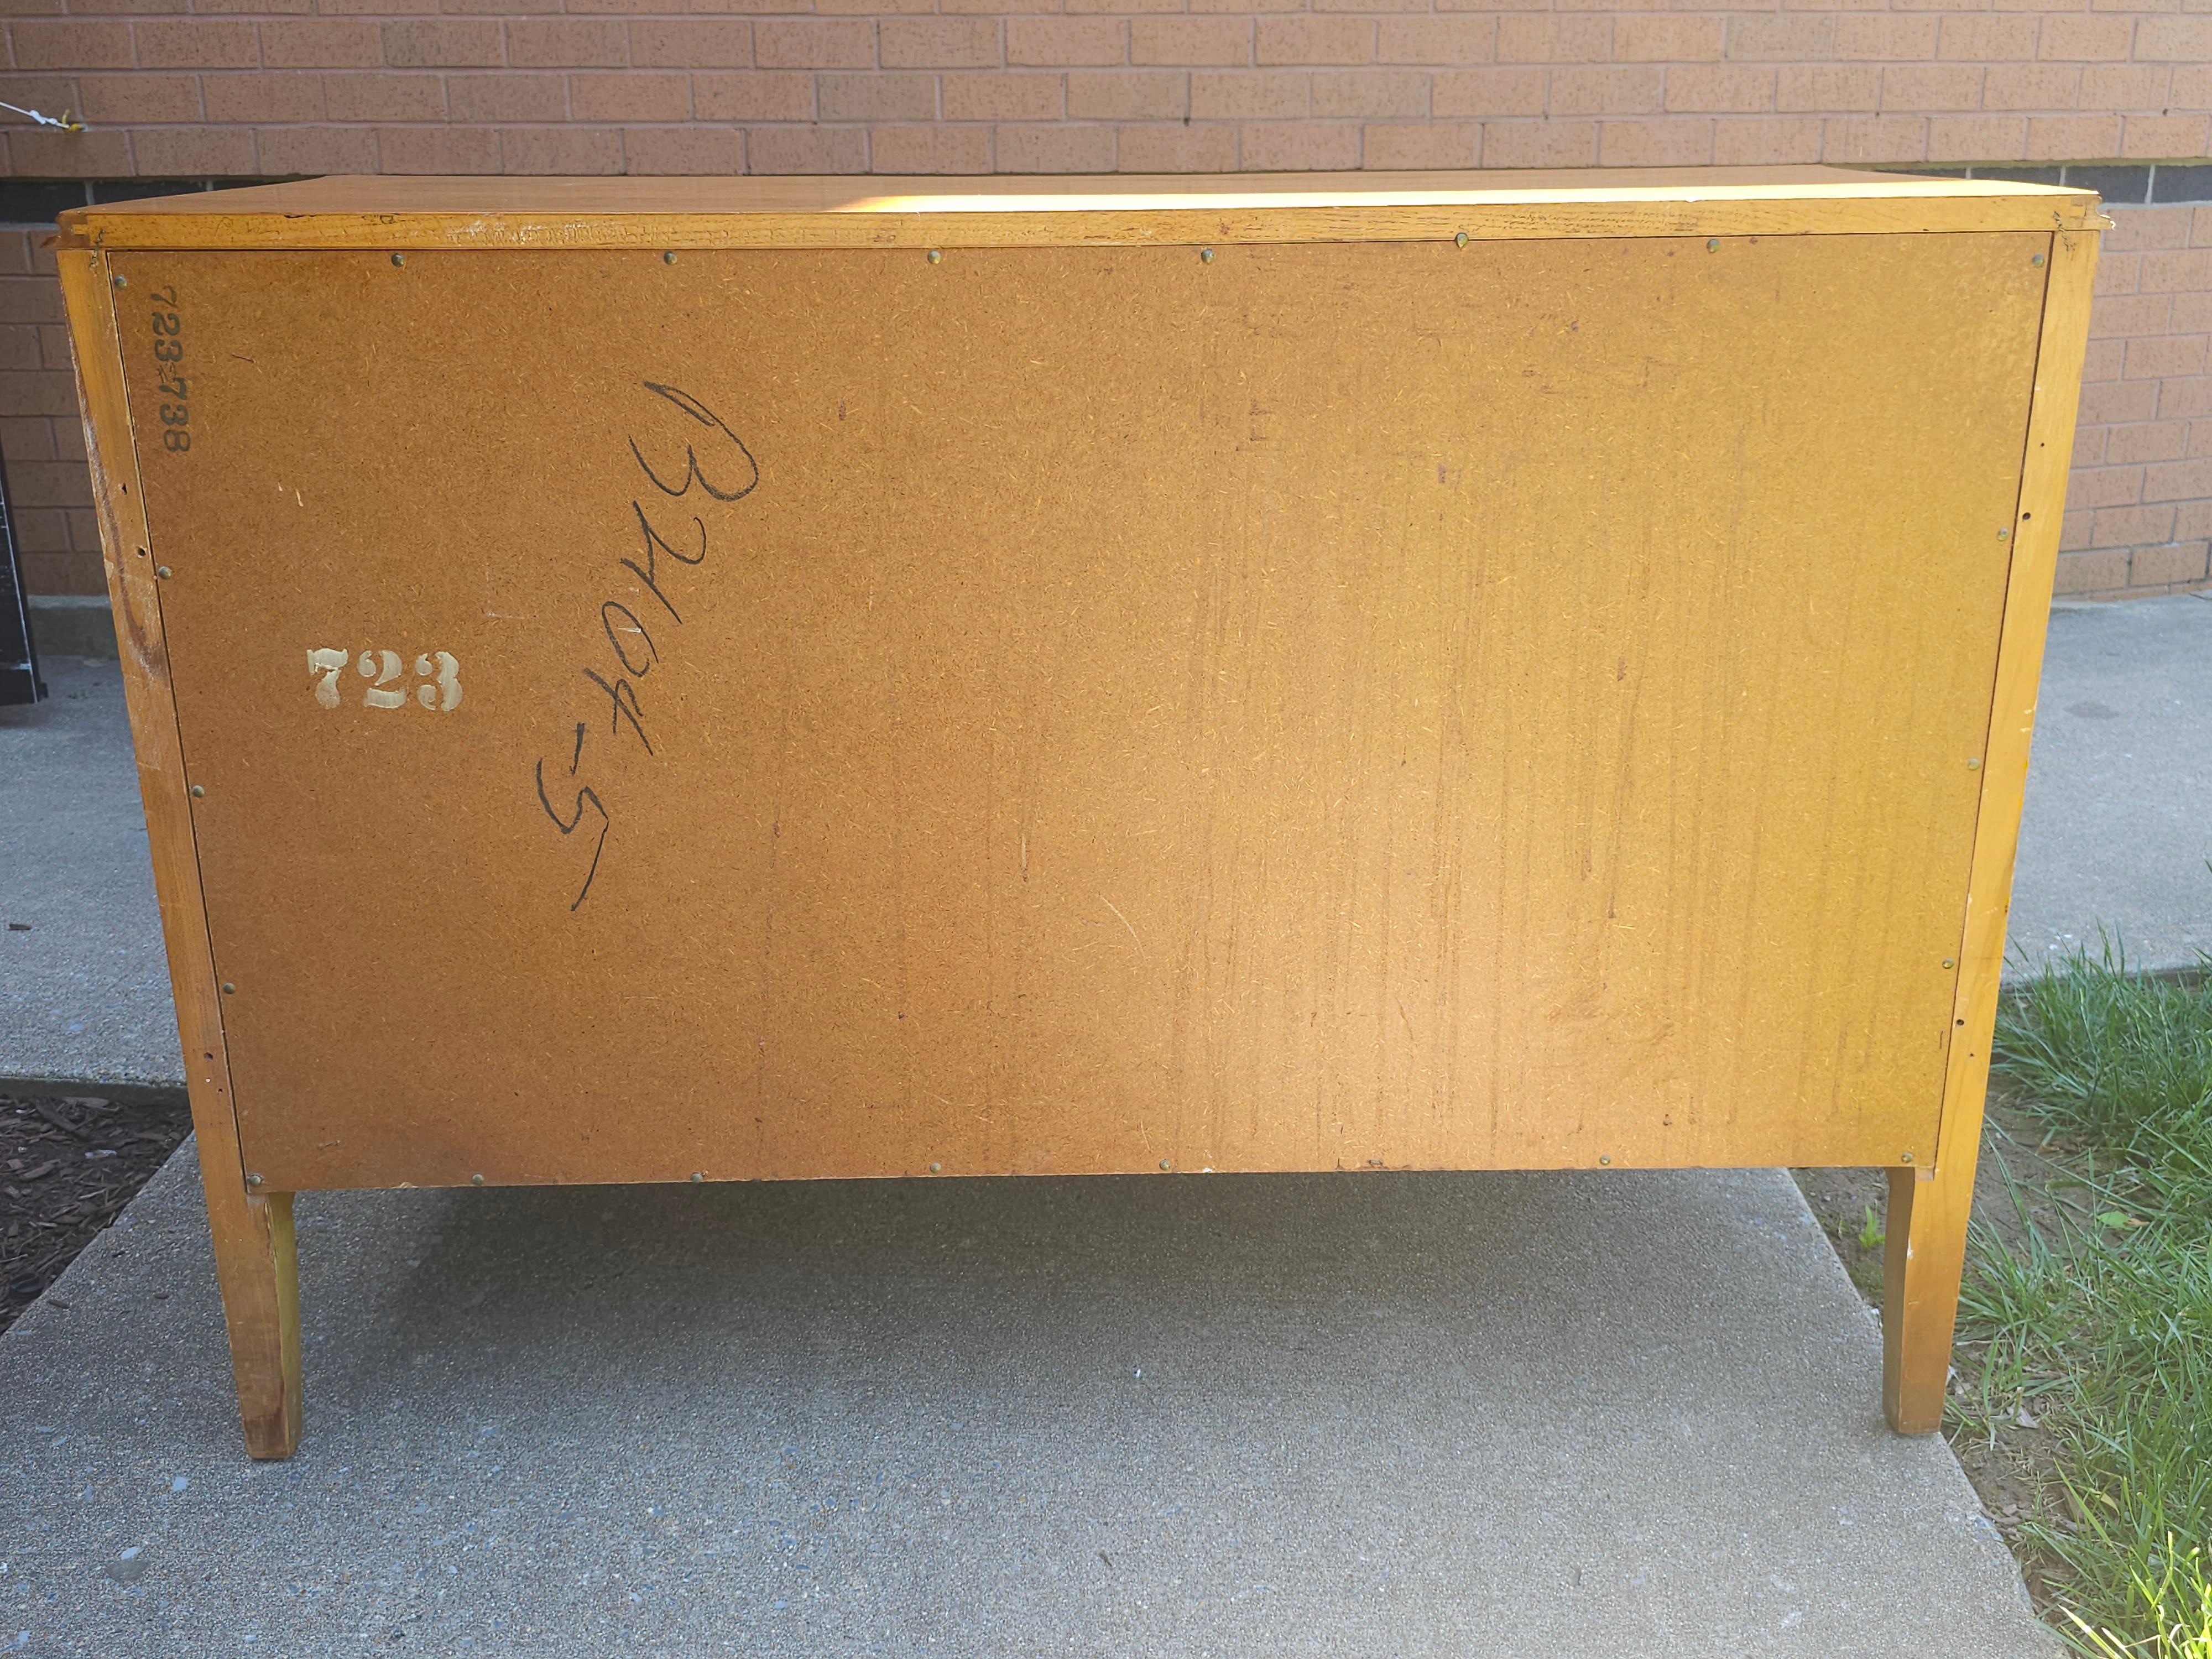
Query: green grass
x=2101, y=1324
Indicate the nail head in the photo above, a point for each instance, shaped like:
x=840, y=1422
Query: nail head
x=698, y=1175
x=123, y=281
x=1605, y=1157
x=198, y=790
x=399, y=258
x=1974, y=763
x=1459, y=240
x=935, y=257
x=253, y=1181
x=1950, y=961
x=1713, y=245
x=936, y=1169
x=669, y=258
x=476, y=1180
x=1904, y=1157
x=1164, y=1162
x=162, y=571
x=2035, y=259
x=229, y=989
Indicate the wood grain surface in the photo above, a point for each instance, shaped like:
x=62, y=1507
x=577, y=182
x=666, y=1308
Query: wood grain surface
x=1113, y=210
x=1327, y=706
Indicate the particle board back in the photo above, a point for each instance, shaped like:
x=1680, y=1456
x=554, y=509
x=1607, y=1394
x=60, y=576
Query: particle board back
x=1080, y=709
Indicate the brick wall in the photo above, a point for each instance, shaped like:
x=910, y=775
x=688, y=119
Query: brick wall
x=183, y=89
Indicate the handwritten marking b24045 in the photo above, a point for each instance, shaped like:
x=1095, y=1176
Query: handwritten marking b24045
x=726, y=472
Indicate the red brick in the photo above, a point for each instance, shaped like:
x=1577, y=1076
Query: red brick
x=1420, y=146
x=1487, y=91
x=1055, y=150
x=2086, y=38
x=561, y=150
x=1919, y=88
x=2105, y=486
x=841, y=45
x=2187, y=399
x=660, y=151
x=1882, y=138
x=437, y=150
x=930, y=150
x=2200, y=228
x=2103, y=360
x=941, y=43
x=1782, y=40
x=1299, y=146
x=1067, y=41
x=2157, y=360
x=54, y=347
x=876, y=97
x=1192, y=41
x=102, y=153
x=1121, y=8
x=2174, y=40
x=1666, y=38
x=192, y=152
x=2172, y=273
x=761, y=96
x=424, y=98
x=1136, y=95
x=629, y=96
x=1522, y=39
x=19, y=350
x=1260, y=95
x=2067, y=137
x=1975, y=137
x=1654, y=143
x=1738, y=143
x=32, y=440
x=1720, y=90
x=1334, y=41
x=2130, y=527
x=444, y=43
x=44, y=393
x=1440, y=40
x=282, y=150
x=2091, y=573
x=691, y=43
x=2174, y=564
x=1611, y=91
x=1824, y=88
x=2178, y=481
x=321, y=43
x=2145, y=229
x=568, y=43
x=105, y=99
x=1007, y=98
x=1986, y=38
x=2089, y=444
x=1176, y=149
x=2031, y=87
x=290, y=96
x=807, y=149
x=29, y=300
x=2128, y=87
x=1878, y=38
x=1376, y=95
x=2155, y=137
x=45, y=483
x=72, y=45
x=1539, y=143
x=2118, y=273
x=2111, y=401
x=2125, y=315
x=509, y=97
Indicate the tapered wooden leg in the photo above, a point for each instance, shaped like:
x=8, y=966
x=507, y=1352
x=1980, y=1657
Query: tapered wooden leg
x=257, y=1266
x=1925, y=1255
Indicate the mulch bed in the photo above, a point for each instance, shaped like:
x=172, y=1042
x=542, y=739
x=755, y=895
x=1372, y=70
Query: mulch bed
x=67, y=1165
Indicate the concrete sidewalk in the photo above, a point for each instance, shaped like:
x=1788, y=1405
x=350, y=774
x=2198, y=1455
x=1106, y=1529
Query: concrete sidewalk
x=1634, y=1413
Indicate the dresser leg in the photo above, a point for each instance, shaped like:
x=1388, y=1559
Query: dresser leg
x=1924, y=1257
x=257, y=1266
